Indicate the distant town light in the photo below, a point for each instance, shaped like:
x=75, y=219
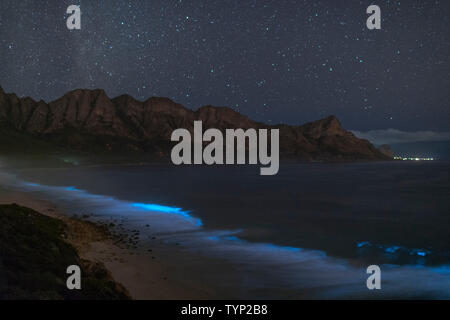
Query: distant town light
x=413, y=158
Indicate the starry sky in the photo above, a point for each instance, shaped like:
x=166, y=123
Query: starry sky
x=274, y=60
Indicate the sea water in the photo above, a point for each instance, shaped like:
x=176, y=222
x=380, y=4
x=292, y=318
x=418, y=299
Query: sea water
x=309, y=231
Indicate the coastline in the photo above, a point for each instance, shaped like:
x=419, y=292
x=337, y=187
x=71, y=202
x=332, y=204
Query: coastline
x=144, y=275
x=167, y=256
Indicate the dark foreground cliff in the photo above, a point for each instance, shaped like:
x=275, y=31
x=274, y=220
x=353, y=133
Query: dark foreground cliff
x=34, y=257
x=89, y=121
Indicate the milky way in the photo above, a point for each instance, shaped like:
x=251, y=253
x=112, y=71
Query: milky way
x=275, y=61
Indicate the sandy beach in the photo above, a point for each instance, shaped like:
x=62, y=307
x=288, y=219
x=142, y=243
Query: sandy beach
x=144, y=274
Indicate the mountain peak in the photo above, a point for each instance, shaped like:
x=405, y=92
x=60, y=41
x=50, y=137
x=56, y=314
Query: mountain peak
x=77, y=92
x=331, y=118
x=124, y=98
x=329, y=126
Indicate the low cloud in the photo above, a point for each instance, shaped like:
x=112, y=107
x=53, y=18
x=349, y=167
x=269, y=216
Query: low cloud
x=391, y=136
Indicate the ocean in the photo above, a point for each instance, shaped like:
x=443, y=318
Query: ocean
x=308, y=232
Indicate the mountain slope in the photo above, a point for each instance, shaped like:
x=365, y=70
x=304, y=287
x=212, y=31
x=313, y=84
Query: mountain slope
x=88, y=120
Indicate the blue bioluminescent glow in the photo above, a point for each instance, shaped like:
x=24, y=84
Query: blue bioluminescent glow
x=421, y=253
x=232, y=238
x=395, y=249
x=288, y=248
x=161, y=208
x=442, y=269
x=392, y=249
x=270, y=246
x=72, y=189
x=30, y=184
x=363, y=244
x=166, y=209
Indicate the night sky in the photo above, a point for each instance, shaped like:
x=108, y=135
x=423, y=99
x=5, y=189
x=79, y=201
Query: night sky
x=274, y=61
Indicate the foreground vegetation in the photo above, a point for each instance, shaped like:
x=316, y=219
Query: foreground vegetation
x=34, y=257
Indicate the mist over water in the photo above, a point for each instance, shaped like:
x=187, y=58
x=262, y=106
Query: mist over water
x=310, y=231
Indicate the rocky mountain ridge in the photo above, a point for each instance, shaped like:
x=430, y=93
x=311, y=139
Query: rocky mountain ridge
x=87, y=120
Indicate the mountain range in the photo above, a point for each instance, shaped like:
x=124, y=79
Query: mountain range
x=89, y=121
